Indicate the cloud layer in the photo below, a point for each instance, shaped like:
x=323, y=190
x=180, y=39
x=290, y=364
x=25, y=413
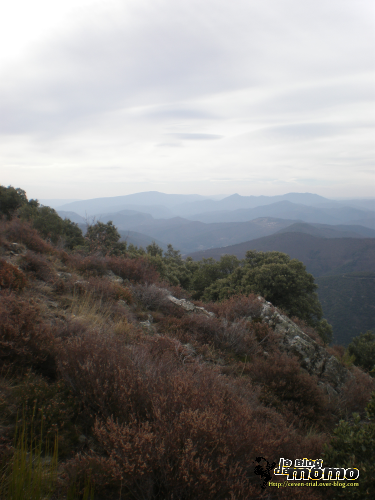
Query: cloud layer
x=193, y=96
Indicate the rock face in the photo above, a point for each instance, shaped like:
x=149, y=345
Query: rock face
x=189, y=306
x=313, y=358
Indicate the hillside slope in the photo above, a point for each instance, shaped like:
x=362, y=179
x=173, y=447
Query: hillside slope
x=348, y=303
x=321, y=256
x=128, y=371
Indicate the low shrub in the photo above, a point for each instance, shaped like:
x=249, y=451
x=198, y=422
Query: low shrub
x=11, y=277
x=353, y=446
x=108, y=290
x=91, y=265
x=70, y=328
x=289, y=390
x=137, y=270
x=356, y=392
x=101, y=370
x=25, y=340
x=173, y=429
x=36, y=265
x=237, y=307
x=151, y=296
x=22, y=232
x=238, y=337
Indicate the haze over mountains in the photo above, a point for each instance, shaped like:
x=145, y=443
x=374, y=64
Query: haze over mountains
x=194, y=222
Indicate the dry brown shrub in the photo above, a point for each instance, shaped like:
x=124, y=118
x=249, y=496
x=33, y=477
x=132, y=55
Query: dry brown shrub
x=137, y=270
x=151, y=296
x=236, y=337
x=22, y=232
x=25, y=340
x=70, y=328
x=172, y=429
x=237, y=307
x=103, y=288
x=101, y=369
x=289, y=389
x=37, y=266
x=201, y=441
x=177, y=291
x=356, y=392
x=11, y=277
x=91, y=265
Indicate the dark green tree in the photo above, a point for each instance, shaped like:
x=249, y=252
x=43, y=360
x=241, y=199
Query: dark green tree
x=209, y=272
x=280, y=280
x=154, y=249
x=363, y=349
x=102, y=237
x=10, y=200
x=50, y=225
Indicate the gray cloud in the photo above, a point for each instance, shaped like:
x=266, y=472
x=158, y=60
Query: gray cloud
x=196, y=136
x=304, y=131
x=271, y=77
x=168, y=50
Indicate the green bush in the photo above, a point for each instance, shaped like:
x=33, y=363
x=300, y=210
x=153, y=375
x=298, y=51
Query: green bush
x=363, y=350
x=353, y=446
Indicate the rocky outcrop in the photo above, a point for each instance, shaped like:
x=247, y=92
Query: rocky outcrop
x=313, y=358
x=189, y=306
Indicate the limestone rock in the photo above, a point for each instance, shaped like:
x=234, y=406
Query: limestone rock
x=313, y=358
x=114, y=278
x=189, y=306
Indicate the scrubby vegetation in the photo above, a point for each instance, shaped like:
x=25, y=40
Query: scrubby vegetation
x=142, y=399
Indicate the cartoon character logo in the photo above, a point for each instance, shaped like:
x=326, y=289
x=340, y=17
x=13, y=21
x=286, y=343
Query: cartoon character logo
x=264, y=472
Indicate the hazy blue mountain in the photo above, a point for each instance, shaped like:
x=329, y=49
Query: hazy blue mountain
x=103, y=205
x=56, y=203
x=72, y=216
x=328, y=231
x=189, y=236
x=140, y=240
x=157, y=211
x=289, y=210
x=362, y=203
x=237, y=202
x=126, y=219
x=370, y=223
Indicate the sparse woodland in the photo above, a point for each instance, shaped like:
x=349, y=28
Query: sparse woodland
x=139, y=399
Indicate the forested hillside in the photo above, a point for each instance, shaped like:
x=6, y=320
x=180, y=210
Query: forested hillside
x=124, y=386
x=348, y=302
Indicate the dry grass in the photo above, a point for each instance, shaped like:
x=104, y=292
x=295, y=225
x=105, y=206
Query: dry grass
x=91, y=310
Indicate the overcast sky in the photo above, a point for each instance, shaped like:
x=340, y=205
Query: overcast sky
x=104, y=98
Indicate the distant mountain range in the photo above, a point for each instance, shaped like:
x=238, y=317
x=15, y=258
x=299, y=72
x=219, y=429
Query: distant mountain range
x=179, y=220
x=184, y=205
x=288, y=210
